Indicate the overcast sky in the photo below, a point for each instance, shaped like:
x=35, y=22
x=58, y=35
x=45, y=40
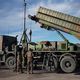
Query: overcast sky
x=11, y=17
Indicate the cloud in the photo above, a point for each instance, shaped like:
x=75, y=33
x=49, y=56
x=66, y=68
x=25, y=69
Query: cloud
x=11, y=15
x=67, y=7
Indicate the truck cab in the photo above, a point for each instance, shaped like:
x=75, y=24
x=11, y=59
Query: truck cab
x=7, y=50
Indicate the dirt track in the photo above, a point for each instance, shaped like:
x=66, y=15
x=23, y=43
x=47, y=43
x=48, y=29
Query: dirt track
x=38, y=75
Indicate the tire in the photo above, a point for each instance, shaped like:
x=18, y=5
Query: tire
x=67, y=64
x=52, y=64
x=10, y=62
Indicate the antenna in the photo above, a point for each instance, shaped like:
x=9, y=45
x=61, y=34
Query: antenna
x=24, y=35
x=24, y=39
x=24, y=15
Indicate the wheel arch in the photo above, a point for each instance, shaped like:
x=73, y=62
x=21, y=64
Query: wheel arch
x=67, y=54
x=9, y=55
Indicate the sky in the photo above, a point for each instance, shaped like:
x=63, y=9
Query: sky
x=11, y=18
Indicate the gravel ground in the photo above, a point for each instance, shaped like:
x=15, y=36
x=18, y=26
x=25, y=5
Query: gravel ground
x=38, y=75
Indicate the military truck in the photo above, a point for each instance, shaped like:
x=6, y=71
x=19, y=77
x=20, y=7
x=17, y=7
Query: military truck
x=7, y=50
x=65, y=55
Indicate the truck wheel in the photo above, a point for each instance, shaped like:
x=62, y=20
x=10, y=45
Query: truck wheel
x=52, y=63
x=67, y=64
x=10, y=62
